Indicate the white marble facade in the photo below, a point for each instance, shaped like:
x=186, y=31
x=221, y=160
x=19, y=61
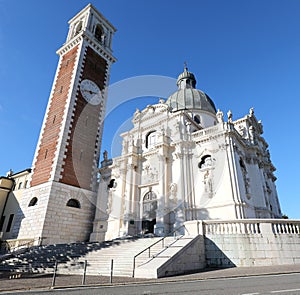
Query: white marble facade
x=184, y=161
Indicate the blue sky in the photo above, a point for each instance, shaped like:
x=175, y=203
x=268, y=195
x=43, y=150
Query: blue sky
x=243, y=53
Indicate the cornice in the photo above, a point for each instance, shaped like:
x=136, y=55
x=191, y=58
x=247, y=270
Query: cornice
x=99, y=14
x=145, y=114
x=84, y=36
x=148, y=184
x=150, y=153
x=252, y=120
x=99, y=48
x=69, y=45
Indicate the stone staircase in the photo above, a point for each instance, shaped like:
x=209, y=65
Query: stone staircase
x=122, y=254
x=39, y=259
x=71, y=257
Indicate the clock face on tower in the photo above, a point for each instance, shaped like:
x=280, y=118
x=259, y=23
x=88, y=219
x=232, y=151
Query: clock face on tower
x=90, y=92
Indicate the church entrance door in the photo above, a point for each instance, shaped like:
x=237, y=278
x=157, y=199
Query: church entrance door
x=148, y=226
x=149, y=212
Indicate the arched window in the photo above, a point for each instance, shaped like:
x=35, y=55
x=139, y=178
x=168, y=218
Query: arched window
x=78, y=28
x=150, y=139
x=112, y=183
x=73, y=203
x=33, y=202
x=205, y=162
x=149, y=205
x=150, y=196
x=197, y=119
x=99, y=34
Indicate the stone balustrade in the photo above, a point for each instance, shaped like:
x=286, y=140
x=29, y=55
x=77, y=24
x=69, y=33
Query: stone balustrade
x=250, y=227
x=287, y=227
x=248, y=242
x=244, y=226
x=206, y=131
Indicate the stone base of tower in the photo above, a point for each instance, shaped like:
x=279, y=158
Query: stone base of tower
x=99, y=231
x=60, y=214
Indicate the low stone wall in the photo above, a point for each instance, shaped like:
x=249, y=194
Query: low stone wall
x=188, y=259
x=249, y=242
x=184, y=255
x=8, y=246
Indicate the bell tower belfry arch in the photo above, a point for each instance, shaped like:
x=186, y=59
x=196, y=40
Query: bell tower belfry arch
x=65, y=164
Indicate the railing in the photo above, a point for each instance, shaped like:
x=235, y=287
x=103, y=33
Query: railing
x=149, y=253
x=251, y=226
x=288, y=227
x=162, y=240
x=231, y=227
x=206, y=131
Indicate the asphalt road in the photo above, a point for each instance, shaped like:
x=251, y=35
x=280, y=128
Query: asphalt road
x=255, y=285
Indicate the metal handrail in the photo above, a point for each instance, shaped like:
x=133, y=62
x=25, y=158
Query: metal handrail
x=149, y=247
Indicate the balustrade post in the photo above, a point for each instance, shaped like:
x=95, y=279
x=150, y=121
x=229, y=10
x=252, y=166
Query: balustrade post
x=265, y=228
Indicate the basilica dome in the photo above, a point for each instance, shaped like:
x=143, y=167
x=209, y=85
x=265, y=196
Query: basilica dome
x=189, y=98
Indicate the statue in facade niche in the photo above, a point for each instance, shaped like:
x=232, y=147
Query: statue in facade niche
x=252, y=134
x=208, y=183
x=105, y=155
x=136, y=113
x=173, y=188
x=188, y=126
x=220, y=116
x=229, y=115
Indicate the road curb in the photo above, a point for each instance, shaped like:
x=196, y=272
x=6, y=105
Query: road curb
x=156, y=281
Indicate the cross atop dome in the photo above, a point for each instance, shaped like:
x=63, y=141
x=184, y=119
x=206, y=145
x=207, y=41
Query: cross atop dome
x=185, y=68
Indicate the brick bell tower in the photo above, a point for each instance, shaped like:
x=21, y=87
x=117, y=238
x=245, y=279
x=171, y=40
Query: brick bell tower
x=65, y=165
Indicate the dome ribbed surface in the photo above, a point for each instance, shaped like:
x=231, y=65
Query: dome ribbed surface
x=190, y=99
x=186, y=75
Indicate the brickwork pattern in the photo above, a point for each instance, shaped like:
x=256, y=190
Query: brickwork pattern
x=82, y=152
x=49, y=139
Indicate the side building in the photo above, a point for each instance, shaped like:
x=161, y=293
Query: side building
x=12, y=187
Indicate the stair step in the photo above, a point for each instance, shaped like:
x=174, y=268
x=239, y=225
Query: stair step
x=71, y=257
